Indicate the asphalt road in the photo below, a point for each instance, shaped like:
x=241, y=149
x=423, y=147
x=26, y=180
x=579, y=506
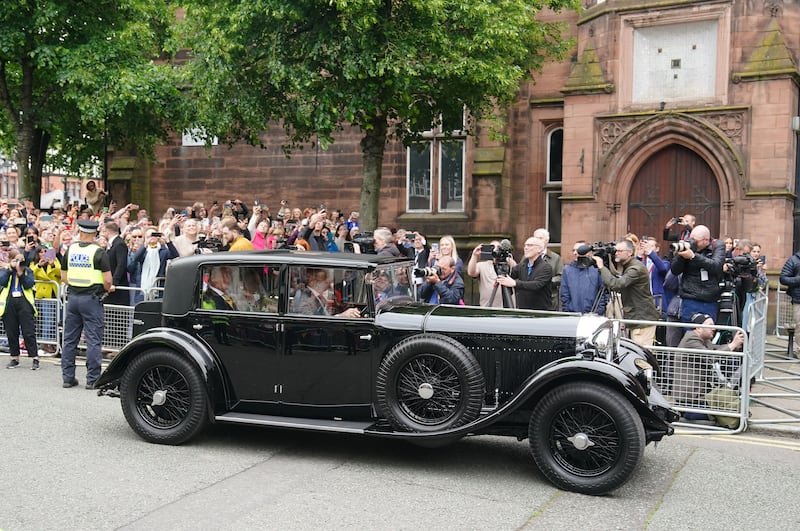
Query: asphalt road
x=71, y=462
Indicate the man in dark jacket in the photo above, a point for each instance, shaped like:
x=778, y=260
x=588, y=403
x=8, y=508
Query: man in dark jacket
x=790, y=276
x=444, y=288
x=633, y=283
x=701, y=266
x=384, y=244
x=118, y=261
x=531, y=278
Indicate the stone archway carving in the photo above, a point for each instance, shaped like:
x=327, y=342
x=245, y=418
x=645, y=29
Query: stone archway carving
x=633, y=146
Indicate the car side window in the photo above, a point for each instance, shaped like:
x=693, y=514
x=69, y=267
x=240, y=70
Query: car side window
x=240, y=288
x=325, y=290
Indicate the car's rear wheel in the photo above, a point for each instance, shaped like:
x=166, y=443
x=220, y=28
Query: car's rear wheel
x=163, y=397
x=586, y=438
x=429, y=383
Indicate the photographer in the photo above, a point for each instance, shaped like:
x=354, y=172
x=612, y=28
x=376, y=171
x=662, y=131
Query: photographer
x=486, y=268
x=444, y=286
x=581, y=286
x=633, y=283
x=17, y=308
x=700, y=261
x=688, y=222
x=532, y=278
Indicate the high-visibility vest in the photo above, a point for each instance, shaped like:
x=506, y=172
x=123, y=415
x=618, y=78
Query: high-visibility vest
x=4, y=295
x=80, y=265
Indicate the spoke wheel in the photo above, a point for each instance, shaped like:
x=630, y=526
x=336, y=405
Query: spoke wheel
x=429, y=389
x=429, y=383
x=586, y=438
x=163, y=397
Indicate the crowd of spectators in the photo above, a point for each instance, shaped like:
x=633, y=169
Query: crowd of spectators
x=150, y=242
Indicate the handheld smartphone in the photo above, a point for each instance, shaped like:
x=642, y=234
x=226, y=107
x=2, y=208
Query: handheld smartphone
x=29, y=238
x=157, y=235
x=49, y=254
x=5, y=244
x=435, y=247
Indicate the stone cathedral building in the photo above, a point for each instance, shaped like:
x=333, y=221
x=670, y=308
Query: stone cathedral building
x=666, y=107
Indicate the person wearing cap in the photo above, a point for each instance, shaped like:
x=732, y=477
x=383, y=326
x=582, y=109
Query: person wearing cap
x=87, y=272
x=692, y=372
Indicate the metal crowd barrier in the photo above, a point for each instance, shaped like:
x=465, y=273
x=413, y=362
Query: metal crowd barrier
x=118, y=322
x=783, y=313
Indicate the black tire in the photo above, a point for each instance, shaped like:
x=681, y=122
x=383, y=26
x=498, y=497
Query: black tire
x=429, y=383
x=608, y=438
x=182, y=410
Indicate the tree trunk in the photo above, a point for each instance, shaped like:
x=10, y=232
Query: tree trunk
x=25, y=142
x=373, y=146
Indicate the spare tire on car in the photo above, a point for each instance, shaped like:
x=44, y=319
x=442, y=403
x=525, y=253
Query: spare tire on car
x=429, y=383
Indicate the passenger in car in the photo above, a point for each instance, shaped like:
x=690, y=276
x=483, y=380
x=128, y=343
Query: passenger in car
x=317, y=296
x=216, y=296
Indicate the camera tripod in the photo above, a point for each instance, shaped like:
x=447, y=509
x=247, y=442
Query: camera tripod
x=508, y=302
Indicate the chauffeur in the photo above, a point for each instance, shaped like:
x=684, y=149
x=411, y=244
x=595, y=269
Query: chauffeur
x=86, y=270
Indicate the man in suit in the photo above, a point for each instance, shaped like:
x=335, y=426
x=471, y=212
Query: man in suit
x=532, y=279
x=118, y=261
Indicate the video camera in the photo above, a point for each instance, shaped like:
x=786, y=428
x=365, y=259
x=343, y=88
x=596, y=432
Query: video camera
x=214, y=244
x=281, y=243
x=743, y=265
x=604, y=250
x=499, y=255
x=427, y=271
x=365, y=241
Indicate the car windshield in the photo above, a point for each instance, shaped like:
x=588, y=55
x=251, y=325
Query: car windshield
x=392, y=283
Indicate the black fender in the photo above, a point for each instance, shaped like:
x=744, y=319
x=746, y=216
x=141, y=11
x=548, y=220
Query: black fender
x=178, y=341
x=565, y=369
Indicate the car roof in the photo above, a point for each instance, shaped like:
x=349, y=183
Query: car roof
x=182, y=272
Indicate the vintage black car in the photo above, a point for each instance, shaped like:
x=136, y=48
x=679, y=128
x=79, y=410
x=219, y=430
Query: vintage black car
x=338, y=342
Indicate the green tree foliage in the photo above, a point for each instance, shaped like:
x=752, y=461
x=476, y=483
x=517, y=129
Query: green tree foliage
x=78, y=75
x=388, y=67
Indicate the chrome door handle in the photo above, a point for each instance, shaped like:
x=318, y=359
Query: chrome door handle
x=197, y=326
x=366, y=337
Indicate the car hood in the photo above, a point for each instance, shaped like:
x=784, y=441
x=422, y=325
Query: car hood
x=473, y=319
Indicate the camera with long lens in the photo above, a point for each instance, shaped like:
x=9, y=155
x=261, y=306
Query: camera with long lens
x=427, y=271
x=683, y=245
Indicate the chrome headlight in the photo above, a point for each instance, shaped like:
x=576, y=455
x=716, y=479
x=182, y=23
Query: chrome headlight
x=646, y=370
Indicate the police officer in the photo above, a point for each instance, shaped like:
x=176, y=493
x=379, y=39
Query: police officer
x=86, y=270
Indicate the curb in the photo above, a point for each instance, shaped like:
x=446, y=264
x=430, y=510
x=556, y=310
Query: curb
x=776, y=430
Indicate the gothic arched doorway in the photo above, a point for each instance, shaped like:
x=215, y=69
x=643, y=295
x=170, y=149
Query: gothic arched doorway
x=674, y=181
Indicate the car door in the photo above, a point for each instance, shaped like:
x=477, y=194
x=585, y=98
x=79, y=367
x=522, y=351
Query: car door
x=242, y=331
x=326, y=358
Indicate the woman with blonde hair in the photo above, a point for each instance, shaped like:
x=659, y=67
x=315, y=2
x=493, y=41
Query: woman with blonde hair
x=447, y=247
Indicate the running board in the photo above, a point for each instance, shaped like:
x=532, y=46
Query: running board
x=341, y=426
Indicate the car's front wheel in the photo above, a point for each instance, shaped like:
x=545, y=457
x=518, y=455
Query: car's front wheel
x=163, y=397
x=586, y=438
x=429, y=383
